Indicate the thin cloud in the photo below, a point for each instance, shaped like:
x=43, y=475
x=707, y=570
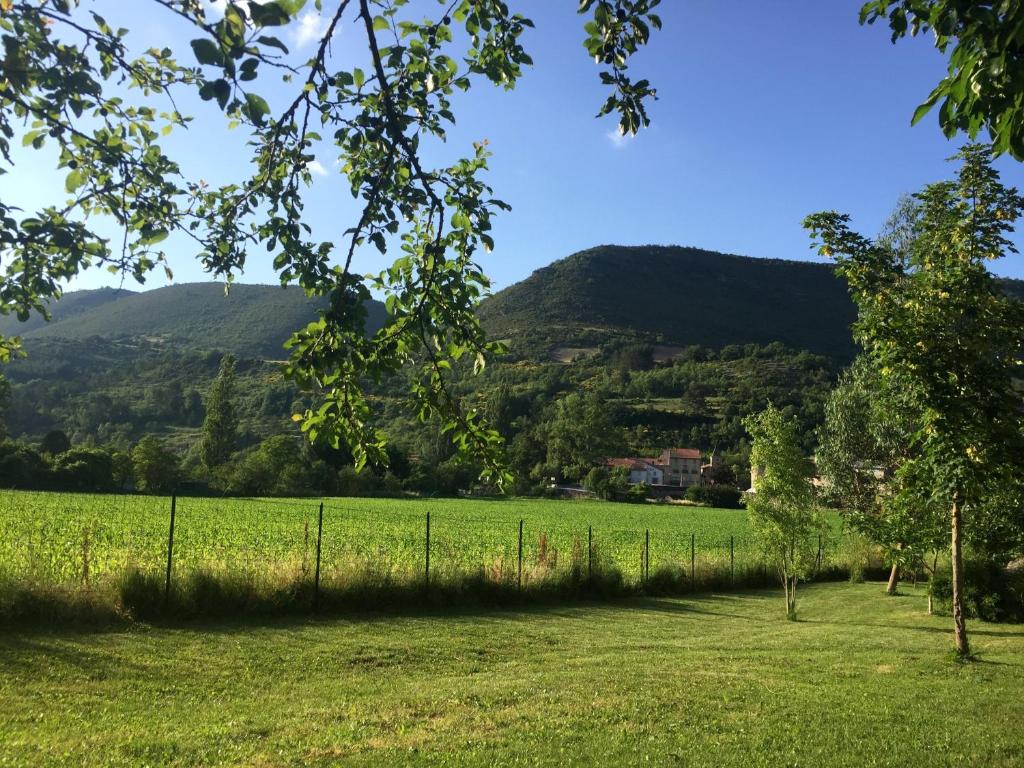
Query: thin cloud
x=316, y=168
x=218, y=6
x=618, y=139
x=311, y=26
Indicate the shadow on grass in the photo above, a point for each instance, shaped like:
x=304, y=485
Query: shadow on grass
x=225, y=600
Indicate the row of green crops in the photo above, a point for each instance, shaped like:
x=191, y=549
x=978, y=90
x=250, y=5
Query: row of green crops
x=65, y=539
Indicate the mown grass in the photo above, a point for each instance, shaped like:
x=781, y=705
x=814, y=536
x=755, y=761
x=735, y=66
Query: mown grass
x=715, y=680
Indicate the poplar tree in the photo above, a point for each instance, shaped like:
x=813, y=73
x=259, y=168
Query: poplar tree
x=220, y=427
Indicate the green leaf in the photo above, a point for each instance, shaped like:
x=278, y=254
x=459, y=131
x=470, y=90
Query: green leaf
x=74, y=180
x=155, y=236
x=273, y=42
x=256, y=107
x=207, y=52
x=380, y=24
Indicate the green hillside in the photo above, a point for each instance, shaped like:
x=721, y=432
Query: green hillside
x=71, y=305
x=674, y=295
x=250, y=320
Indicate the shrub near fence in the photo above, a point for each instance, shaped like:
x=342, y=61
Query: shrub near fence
x=59, y=551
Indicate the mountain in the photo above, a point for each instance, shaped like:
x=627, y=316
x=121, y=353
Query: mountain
x=250, y=320
x=668, y=296
x=675, y=295
x=70, y=305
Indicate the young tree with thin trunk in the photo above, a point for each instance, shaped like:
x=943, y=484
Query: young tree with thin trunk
x=782, y=509
x=940, y=330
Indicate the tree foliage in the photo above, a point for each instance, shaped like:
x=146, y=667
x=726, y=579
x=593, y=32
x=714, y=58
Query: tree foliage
x=155, y=467
x=71, y=84
x=941, y=332
x=865, y=439
x=220, y=427
x=986, y=63
x=782, y=509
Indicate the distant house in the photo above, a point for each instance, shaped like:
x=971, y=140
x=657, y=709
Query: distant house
x=640, y=471
x=680, y=467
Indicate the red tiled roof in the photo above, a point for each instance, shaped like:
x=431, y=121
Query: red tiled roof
x=682, y=453
x=627, y=463
x=619, y=462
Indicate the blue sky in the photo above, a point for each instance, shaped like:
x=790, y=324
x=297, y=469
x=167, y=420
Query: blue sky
x=767, y=111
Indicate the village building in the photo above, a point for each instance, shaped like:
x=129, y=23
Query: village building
x=641, y=471
x=679, y=467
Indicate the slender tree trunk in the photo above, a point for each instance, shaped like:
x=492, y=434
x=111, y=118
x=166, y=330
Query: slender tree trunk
x=792, y=600
x=931, y=582
x=785, y=586
x=894, y=578
x=963, y=648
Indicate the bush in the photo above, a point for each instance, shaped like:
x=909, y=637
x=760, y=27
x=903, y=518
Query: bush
x=638, y=493
x=353, y=483
x=724, y=496
x=597, y=482
x=84, y=469
x=991, y=592
x=23, y=467
x=279, y=466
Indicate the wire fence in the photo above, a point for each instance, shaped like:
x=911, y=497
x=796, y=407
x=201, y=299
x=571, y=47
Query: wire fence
x=74, y=541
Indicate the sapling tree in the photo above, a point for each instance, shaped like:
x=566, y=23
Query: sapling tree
x=782, y=509
x=941, y=331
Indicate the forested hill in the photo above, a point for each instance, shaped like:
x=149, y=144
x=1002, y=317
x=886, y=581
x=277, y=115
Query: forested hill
x=675, y=295
x=600, y=297
x=71, y=305
x=250, y=321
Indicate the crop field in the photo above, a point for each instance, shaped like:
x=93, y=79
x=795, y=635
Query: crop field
x=70, y=541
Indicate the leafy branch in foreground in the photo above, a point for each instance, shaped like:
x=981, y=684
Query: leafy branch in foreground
x=985, y=68
x=69, y=81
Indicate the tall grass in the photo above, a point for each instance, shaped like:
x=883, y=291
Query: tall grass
x=66, y=557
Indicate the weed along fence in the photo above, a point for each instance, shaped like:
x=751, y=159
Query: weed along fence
x=149, y=554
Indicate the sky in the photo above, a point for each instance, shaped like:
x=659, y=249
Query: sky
x=768, y=110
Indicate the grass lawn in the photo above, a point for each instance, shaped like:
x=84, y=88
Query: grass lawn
x=717, y=680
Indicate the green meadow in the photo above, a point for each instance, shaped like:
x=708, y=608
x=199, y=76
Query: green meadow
x=706, y=680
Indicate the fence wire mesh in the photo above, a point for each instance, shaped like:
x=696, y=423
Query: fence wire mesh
x=69, y=540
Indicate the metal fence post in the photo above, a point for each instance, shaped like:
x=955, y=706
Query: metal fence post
x=647, y=554
x=170, y=552
x=732, y=560
x=693, y=559
x=520, y=570
x=319, y=538
x=426, y=580
x=590, y=553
